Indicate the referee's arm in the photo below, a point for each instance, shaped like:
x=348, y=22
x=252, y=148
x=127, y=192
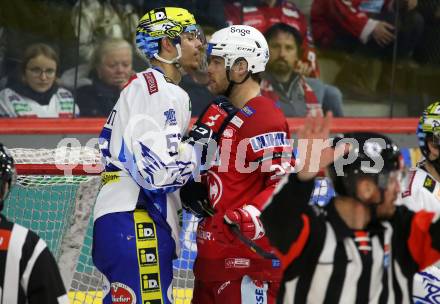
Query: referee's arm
x=284, y=216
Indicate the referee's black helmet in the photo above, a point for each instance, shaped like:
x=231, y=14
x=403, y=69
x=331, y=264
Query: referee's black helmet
x=376, y=156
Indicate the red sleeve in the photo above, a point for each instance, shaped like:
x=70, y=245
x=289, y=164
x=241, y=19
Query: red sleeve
x=424, y=226
x=269, y=145
x=348, y=16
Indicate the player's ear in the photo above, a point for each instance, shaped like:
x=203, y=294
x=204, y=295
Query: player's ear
x=167, y=46
x=240, y=68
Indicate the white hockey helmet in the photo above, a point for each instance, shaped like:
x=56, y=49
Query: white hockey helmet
x=240, y=41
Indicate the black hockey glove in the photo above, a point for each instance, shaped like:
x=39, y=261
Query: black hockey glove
x=195, y=199
x=211, y=124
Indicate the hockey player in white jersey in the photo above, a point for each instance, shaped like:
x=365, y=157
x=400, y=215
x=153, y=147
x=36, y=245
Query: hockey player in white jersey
x=147, y=158
x=423, y=192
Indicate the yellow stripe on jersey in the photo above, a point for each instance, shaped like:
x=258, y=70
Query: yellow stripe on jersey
x=148, y=257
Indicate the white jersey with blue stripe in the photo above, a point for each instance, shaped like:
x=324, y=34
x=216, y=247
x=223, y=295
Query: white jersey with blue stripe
x=422, y=192
x=141, y=144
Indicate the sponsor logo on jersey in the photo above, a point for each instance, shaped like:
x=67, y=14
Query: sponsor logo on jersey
x=269, y=140
x=223, y=286
x=204, y=235
x=14, y=97
x=109, y=177
x=215, y=188
x=237, y=121
x=253, y=291
x=145, y=231
x=151, y=83
x=228, y=133
x=121, y=293
x=429, y=184
x=237, y=263
x=150, y=282
x=248, y=111
x=170, y=117
x=276, y=263
x=65, y=95
x=147, y=256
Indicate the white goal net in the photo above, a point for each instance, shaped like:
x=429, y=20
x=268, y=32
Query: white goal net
x=54, y=196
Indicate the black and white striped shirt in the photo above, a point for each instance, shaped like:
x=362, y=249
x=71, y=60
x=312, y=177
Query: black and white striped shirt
x=28, y=271
x=327, y=262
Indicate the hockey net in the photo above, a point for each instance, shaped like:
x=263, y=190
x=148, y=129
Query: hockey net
x=54, y=196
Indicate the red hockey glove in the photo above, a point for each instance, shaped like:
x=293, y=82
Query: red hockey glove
x=211, y=123
x=247, y=219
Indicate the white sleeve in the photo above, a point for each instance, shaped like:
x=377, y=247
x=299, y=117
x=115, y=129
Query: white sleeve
x=146, y=130
x=6, y=109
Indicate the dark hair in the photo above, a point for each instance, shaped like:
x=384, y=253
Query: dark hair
x=284, y=28
x=257, y=77
x=37, y=49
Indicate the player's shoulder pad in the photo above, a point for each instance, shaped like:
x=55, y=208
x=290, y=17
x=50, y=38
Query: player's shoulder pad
x=261, y=115
x=154, y=84
x=417, y=180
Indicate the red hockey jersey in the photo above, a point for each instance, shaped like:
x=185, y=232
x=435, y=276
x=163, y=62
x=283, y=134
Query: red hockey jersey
x=254, y=152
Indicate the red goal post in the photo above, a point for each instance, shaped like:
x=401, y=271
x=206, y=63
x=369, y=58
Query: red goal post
x=13, y=126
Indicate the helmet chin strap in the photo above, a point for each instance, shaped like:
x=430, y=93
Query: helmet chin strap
x=228, y=91
x=175, y=60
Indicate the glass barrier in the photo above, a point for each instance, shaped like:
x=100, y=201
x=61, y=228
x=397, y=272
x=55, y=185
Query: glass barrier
x=71, y=58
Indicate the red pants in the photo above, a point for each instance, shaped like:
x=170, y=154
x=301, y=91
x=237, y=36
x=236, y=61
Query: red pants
x=244, y=291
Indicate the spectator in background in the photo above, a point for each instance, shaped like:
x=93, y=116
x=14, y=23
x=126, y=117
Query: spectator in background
x=262, y=14
x=348, y=24
x=25, y=22
x=284, y=80
x=367, y=30
x=428, y=51
x=111, y=67
x=100, y=20
x=37, y=94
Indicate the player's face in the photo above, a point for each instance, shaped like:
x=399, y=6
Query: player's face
x=283, y=53
x=218, y=83
x=116, y=67
x=387, y=208
x=192, y=52
x=40, y=73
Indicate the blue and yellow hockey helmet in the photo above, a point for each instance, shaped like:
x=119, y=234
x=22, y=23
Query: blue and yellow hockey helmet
x=162, y=22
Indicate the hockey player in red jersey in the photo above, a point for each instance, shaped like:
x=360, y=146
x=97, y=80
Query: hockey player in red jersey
x=254, y=152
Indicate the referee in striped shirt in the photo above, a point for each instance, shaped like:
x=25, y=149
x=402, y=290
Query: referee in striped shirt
x=28, y=271
x=360, y=248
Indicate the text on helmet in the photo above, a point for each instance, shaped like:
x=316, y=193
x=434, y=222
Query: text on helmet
x=241, y=31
